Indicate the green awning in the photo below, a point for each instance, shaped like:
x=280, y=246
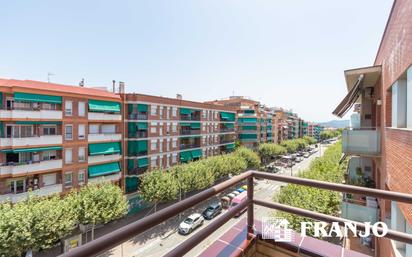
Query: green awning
x=104, y=148
x=142, y=125
x=184, y=124
x=142, y=107
x=197, y=153
x=142, y=162
x=27, y=97
x=249, y=111
x=195, y=125
x=132, y=184
x=247, y=120
x=227, y=116
x=230, y=146
x=103, y=169
x=185, y=111
x=1, y=98
x=229, y=125
x=103, y=106
x=249, y=127
x=185, y=156
x=130, y=108
x=135, y=147
x=247, y=136
x=131, y=129
x=38, y=122
x=36, y=149
x=1, y=129
x=130, y=164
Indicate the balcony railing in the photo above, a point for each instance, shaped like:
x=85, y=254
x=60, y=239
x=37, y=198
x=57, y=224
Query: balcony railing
x=32, y=140
x=104, y=137
x=108, y=241
x=188, y=146
x=363, y=141
x=138, y=116
x=38, y=114
x=30, y=166
x=190, y=132
x=227, y=130
x=104, y=116
x=190, y=117
x=42, y=191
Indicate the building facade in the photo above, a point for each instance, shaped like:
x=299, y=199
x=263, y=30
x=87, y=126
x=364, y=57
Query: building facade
x=162, y=132
x=55, y=138
x=379, y=145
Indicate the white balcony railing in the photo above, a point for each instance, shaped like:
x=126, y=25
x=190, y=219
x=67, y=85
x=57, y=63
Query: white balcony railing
x=44, y=191
x=20, y=169
x=361, y=142
x=104, y=137
x=31, y=114
x=101, y=179
x=104, y=116
x=35, y=140
x=103, y=158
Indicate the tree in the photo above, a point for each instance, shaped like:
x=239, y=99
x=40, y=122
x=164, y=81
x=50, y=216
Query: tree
x=310, y=140
x=252, y=159
x=158, y=186
x=290, y=145
x=269, y=150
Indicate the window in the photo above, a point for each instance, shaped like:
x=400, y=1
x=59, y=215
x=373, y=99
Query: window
x=82, y=109
x=399, y=97
x=153, y=162
x=93, y=129
x=68, y=132
x=168, y=112
x=68, y=155
x=17, y=186
x=68, y=179
x=204, y=114
x=48, y=106
x=82, y=154
x=160, y=111
x=174, y=127
x=80, y=176
x=82, y=131
x=153, y=127
x=153, y=110
x=24, y=157
x=174, y=144
x=153, y=145
x=109, y=129
x=49, y=130
x=174, y=111
x=68, y=108
x=49, y=179
x=26, y=131
x=49, y=155
x=167, y=128
x=174, y=157
x=161, y=129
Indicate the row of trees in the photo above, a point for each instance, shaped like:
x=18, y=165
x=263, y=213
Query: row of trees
x=39, y=223
x=269, y=150
x=160, y=185
x=325, y=168
x=328, y=134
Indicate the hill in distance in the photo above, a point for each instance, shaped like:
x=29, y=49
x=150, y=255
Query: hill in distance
x=335, y=123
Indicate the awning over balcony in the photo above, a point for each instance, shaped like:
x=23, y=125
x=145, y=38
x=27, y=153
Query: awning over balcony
x=35, y=149
x=229, y=125
x=227, y=116
x=186, y=111
x=142, y=125
x=103, y=106
x=356, y=80
x=142, y=162
x=247, y=120
x=27, y=97
x=103, y=169
x=197, y=153
x=142, y=107
x=195, y=125
x=104, y=148
x=230, y=146
x=185, y=156
x=135, y=147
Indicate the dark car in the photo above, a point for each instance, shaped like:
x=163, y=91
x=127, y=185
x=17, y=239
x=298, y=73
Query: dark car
x=212, y=211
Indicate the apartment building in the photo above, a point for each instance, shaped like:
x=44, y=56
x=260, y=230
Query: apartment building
x=162, y=132
x=254, y=123
x=314, y=130
x=379, y=144
x=54, y=138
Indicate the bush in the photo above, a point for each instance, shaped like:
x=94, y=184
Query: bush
x=325, y=168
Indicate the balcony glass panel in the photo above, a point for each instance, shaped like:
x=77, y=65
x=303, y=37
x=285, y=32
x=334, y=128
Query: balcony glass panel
x=361, y=142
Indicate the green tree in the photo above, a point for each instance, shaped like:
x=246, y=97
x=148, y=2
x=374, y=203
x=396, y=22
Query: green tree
x=158, y=186
x=252, y=158
x=268, y=150
x=310, y=140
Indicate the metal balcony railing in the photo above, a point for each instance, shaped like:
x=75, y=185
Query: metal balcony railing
x=361, y=141
x=190, y=132
x=138, y=116
x=108, y=241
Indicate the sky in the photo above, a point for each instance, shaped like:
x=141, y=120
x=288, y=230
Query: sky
x=288, y=54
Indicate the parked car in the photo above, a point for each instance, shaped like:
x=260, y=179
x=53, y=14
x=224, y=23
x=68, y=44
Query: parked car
x=236, y=193
x=191, y=223
x=231, y=196
x=306, y=155
x=237, y=200
x=240, y=190
x=272, y=168
x=244, y=187
x=212, y=211
x=299, y=159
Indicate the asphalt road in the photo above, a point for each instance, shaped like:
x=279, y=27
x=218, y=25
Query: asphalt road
x=164, y=237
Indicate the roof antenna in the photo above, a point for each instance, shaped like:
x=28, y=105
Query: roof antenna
x=48, y=76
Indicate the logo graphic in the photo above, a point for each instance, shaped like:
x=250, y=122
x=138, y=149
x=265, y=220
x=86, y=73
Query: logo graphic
x=277, y=229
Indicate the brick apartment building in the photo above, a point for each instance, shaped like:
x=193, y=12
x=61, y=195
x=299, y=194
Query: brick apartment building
x=255, y=122
x=56, y=137
x=162, y=132
x=380, y=145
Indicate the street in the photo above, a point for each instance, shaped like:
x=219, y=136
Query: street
x=164, y=237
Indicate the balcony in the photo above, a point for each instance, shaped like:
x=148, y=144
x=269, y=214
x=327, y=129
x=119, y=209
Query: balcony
x=364, y=141
x=103, y=158
x=43, y=191
x=34, y=140
x=190, y=132
x=29, y=167
x=101, y=116
x=138, y=116
x=103, y=179
x=184, y=146
x=104, y=137
x=250, y=234
x=31, y=114
x=190, y=117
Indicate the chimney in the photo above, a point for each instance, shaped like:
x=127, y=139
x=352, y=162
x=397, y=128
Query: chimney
x=121, y=87
x=114, y=85
x=179, y=96
x=81, y=83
